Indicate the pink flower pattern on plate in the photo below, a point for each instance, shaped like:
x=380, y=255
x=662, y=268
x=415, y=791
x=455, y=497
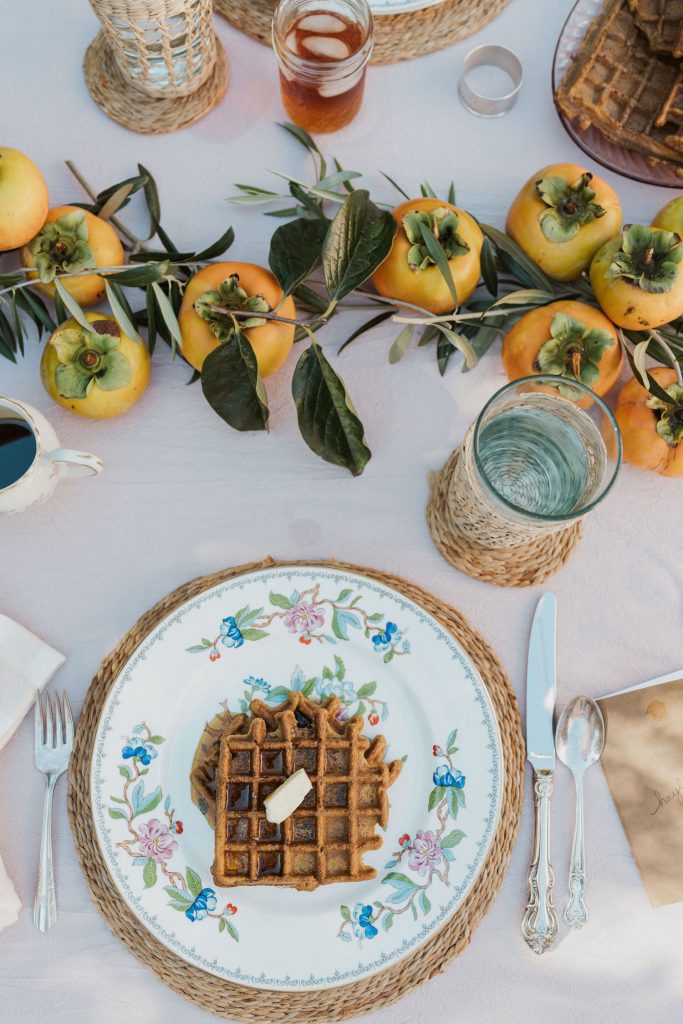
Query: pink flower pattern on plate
x=425, y=852
x=304, y=617
x=156, y=841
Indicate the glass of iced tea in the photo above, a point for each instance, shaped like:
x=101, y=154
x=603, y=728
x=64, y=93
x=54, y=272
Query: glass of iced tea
x=323, y=48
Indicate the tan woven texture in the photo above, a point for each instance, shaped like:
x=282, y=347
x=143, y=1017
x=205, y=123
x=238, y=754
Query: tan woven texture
x=232, y=1001
x=128, y=106
x=473, y=540
x=397, y=36
x=163, y=47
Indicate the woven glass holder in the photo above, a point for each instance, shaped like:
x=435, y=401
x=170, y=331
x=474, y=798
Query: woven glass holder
x=505, y=508
x=478, y=540
x=156, y=65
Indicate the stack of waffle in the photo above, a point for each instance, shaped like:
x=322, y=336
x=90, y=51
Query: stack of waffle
x=325, y=838
x=627, y=81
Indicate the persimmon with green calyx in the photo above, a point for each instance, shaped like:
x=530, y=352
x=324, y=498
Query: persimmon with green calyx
x=651, y=429
x=247, y=288
x=638, y=277
x=568, y=339
x=98, y=373
x=23, y=199
x=72, y=241
x=410, y=274
x=561, y=217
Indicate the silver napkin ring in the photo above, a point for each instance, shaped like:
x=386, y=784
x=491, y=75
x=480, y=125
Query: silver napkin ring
x=496, y=56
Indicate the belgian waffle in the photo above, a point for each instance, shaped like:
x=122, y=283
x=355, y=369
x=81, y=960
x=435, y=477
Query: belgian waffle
x=324, y=840
x=628, y=93
x=662, y=23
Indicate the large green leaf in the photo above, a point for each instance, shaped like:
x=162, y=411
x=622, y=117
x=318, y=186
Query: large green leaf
x=233, y=387
x=358, y=240
x=295, y=251
x=327, y=419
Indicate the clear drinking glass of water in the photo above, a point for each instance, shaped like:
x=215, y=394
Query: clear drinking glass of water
x=544, y=452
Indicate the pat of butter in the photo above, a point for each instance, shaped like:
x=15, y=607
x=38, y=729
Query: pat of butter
x=284, y=800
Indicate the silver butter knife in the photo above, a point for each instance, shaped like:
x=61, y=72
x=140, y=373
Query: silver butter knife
x=539, y=926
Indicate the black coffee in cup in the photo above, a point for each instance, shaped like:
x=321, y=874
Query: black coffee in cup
x=17, y=450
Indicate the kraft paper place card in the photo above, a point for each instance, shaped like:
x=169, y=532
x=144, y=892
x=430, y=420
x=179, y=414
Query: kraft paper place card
x=643, y=763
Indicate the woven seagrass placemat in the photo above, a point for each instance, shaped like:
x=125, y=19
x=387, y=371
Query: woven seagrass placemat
x=259, y=1005
x=134, y=109
x=524, y=565
x=397, y=36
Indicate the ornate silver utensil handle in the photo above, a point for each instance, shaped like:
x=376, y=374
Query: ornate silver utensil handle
x=539, y=926
x=576, y=912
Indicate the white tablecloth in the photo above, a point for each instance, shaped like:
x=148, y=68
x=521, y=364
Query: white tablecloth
x=183, y=495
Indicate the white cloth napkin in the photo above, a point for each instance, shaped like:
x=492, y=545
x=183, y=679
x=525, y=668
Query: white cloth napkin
x=26, y=665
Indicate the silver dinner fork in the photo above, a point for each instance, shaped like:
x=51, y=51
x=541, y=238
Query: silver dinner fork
x=54, y=739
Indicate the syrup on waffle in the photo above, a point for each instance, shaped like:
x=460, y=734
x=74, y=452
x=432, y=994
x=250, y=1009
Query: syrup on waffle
x=324, y=840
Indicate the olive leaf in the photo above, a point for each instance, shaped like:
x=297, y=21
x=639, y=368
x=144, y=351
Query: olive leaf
x=122, y=190
x=489, y=271
x=152, y=199
x=70, y=304
x=401, y=343
x=513, y=258
x=460, y=342
x=358, y=240
x=232, y=384
x=437, y=254
x=168, y=315
x=138, y=277
x=123, y=314
x=307, y=141
x=8, y=343
x=442, y=226
x=327, y=419
x=295, y=251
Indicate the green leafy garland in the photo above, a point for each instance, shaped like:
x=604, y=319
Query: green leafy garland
x=333, y=239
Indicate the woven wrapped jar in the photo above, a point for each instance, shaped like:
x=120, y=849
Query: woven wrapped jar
x=498, y=537
x=164, y=48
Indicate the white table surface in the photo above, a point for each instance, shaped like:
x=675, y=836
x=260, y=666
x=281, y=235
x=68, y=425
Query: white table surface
x=183, y=495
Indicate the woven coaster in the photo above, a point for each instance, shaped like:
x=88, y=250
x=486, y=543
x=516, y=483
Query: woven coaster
x=397, y=36
x=227, y=999
x=133, y=108
x=523, y=565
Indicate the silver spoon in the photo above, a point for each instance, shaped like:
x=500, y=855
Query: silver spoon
x=579, y=739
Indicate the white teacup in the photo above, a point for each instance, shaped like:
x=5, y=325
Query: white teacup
x=49, y=465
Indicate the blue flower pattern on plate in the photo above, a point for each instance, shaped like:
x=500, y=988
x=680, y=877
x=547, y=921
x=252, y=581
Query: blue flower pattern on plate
x=362, y=921
x=202, y=906
x=383, y=641
x=145, y=752
x=231, y=634
x=445, y=776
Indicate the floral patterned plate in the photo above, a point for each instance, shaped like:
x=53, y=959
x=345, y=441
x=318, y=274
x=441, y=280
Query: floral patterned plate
x=321, y=631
